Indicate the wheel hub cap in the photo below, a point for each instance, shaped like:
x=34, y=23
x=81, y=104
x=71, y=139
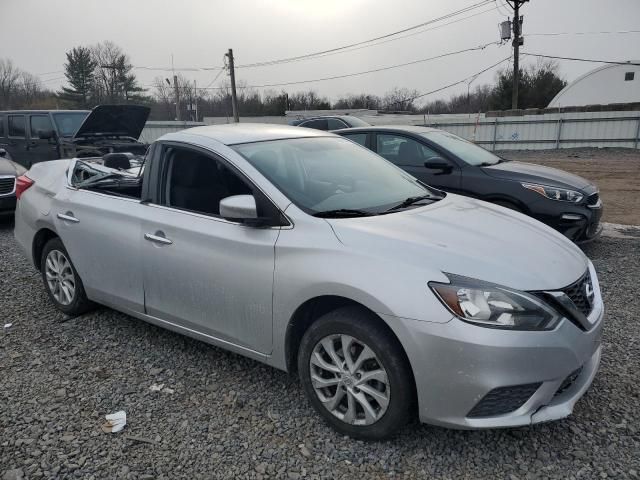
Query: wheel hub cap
x=60, y=278
x=349, y=379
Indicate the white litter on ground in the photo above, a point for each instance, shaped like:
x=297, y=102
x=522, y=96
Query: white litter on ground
x=115, y=422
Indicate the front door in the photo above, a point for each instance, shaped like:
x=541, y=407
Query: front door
x=203, y=272
x=411, y=155
x=40, y=149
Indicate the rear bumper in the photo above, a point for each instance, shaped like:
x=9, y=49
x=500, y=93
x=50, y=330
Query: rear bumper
x=456, y=365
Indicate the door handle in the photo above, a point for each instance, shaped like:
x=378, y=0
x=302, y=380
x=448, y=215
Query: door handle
x=157, y=238
x=68, y=217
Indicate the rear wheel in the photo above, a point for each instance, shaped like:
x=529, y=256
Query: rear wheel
x=355, y=374
x=61, y=280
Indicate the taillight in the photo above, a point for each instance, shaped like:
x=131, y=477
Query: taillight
x=22, y=184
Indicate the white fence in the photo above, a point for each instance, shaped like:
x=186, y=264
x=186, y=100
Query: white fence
x=155, y=129
x=525, y=132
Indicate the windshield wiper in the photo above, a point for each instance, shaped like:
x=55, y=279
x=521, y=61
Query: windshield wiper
x=410, y=201
x=343, y=212
x=489, y=164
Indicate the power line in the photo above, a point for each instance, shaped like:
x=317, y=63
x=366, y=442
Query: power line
x=214, y=79
x=349, y=50
x=575, y=59
x=464, y=80
x=381, y=37
x=553, y=34
x=389, y=67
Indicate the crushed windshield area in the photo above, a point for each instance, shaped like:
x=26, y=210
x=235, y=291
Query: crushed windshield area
x=91, y=175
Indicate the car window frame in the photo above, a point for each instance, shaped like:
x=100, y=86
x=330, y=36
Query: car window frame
x=24, y=124
x=367, y=139
x=442, y=152
x=302, y=124
x=158, y=192
x=335, y=119
x=31, y=133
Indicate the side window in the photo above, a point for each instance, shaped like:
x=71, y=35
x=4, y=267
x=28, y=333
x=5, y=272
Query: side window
x=403, y=151
x=335, y=124
x=38, y=123
x=16, y=126
x=197, y=182
x=360, y=138
x=318, y=124
x=629, y=76
x=1, y=125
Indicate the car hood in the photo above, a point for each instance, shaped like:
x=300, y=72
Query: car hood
x=114, y=120
x=529, y=172
x=7, y=167
x=468, y=237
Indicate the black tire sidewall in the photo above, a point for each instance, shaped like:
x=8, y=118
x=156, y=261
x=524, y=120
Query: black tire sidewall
x=80, y=304
x=361, y=325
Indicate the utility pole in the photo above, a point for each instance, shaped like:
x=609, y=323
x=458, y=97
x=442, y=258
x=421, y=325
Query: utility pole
x=195, y=93
x=517, y=41
x=234, y=97
x=177, y=95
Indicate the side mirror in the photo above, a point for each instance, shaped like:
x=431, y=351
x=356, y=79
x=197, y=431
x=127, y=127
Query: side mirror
x=3, y=152
x=239, y=207
x=438, y=163
x=46, y=134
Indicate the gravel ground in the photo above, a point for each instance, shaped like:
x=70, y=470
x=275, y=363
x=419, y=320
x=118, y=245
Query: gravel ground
x=223, y=416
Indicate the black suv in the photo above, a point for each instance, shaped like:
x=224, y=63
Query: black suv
x=564, y=201
x=32, y=136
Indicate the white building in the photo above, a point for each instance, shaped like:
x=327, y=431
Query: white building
x=602, y=86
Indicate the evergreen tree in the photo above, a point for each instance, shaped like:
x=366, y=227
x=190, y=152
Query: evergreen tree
x=79, y=70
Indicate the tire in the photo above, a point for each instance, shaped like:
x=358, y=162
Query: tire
x=393, y=396
x=507, y=204
x=65, y=289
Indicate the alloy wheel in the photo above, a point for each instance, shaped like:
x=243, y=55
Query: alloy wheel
x=60, y=277
x=349, y=379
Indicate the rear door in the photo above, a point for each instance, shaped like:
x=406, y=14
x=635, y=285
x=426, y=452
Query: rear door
x=411, y=155
x=40, y=149
x=201, y=271
x=102, y=234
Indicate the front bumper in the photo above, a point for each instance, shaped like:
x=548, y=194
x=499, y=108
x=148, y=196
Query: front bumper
x=579, y=223
x=7, y=204
x=456, y=365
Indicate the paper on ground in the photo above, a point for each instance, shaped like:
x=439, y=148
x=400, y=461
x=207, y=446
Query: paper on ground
x=115, y=422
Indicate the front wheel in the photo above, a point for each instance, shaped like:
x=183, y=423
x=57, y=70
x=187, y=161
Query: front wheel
x=61, y=280
x=355, y=374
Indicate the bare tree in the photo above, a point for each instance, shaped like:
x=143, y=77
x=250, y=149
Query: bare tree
x=9, y=82
x=400, y=99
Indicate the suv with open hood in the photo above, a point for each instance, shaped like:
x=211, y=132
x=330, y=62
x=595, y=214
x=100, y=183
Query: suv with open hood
x=32, y=136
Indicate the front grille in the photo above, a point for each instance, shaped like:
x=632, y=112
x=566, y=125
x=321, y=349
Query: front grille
x=7, y=185
x=593, y=198
x=577, y=292
x=568, y=382
x=502, y=400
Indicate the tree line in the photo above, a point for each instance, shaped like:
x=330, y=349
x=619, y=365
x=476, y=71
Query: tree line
x=103, y=74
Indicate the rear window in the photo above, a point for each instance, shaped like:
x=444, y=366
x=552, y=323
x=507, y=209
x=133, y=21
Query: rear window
x=16, y=126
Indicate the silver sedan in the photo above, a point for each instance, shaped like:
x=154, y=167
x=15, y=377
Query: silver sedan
x=314, y=255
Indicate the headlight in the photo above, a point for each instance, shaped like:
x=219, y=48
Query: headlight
x=494, y=306
x=554, y=193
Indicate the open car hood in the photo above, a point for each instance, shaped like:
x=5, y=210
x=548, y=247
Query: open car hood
x=114, y=121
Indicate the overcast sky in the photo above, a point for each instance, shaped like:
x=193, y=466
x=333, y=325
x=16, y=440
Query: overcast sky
x=35, y=34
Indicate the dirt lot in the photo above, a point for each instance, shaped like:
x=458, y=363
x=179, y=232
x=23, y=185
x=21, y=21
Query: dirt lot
x=615, y=170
